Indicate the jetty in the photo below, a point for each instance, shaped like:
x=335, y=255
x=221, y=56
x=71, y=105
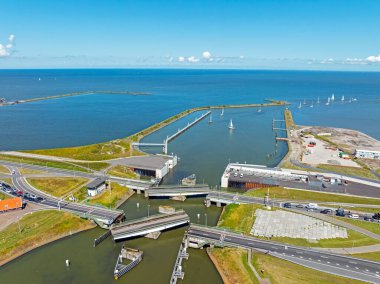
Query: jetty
x=164, y=145
x=182, y=254
x=149, y=226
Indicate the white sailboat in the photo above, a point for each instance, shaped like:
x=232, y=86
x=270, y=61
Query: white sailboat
x=304, y=101
x=342, y=99
x=231, y=125
x=300, y=105
x=259, y=109
x=210, y=120
x=312, y=104
x=332, y=97
x=222, y=113
x=328, y=101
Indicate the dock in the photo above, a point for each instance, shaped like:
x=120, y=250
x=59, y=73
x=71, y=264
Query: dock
x=149, y=226
x=164, y=145
x=182, y=254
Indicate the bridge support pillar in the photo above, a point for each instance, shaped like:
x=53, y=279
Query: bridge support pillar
x=208, y=203
x=179, y=198
x=218, y=204
x=146, y=193
x=153, y=235
x=139, y=191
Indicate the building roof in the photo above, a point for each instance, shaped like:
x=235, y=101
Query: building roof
x=96, y=182
x=9, y=204
x=152, y=162
x=370, y=150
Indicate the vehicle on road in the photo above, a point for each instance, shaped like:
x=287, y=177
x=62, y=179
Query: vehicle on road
x=32, y=197
x=19, y=193
x=287, y=205
x=376, y=217
x=39, y=199
x=340, y=212
x=326, y=211
x=368, y=219
x=312, y=206
x=353, y=216
x=299, y=206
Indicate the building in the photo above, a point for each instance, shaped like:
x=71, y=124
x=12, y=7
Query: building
x=246, y=176
x=96, y=186
x=10, y=204
x=152, y=166
x=368, y=154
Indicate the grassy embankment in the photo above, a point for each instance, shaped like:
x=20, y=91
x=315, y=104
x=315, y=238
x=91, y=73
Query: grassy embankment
x=232, y=264
x=306, y=195
x=364, y=209
x=4, y=170
x=57, y=186
x=370, y=226
x=77, y=166
x=38, y=229
x=123, y=171
x=112, y=197
x=240, y=218
x=375, y=256
x=122, y=147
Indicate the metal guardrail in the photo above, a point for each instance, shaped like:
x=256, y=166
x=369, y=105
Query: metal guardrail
x=102, y=238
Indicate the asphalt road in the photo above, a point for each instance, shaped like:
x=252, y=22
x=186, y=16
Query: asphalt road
x=354, y=268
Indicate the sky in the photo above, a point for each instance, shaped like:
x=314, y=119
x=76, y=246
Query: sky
x=282, y=34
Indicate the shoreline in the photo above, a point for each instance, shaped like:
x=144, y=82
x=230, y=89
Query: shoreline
x=217, y=267
x=9, y=260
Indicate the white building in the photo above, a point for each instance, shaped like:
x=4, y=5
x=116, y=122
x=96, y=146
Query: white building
x=96, y=186
x=367, y=154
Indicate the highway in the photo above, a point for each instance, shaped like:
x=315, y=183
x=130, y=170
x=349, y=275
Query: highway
x=107, y=216
x=360, y=269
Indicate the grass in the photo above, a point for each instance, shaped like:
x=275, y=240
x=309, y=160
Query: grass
x=354, y=171
x=96, y=166
x=233, y=265
x=112, y=197
x=238, y=217
x=123, y=171
x=365, y=209
x=57, y=186
x=4, y=196
x=26, y=171
x=307, y=195
x=375, y=256
x=38, y=229
x=280, y=271
x=373, y=227
x=4, y=170
x=7, y=180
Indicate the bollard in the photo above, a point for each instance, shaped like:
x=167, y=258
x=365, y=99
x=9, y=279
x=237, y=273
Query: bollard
x=67, y=263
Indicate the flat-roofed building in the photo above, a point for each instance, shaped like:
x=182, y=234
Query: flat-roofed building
x=96, y=186
x=368, y=153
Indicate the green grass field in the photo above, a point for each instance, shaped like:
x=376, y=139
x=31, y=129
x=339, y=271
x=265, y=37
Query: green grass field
x=370, y=226
x=122, y=171
x=111, y=197
x=306, y=195
x=57, y=186
x=38, y=229
x=375, y=256
x=359, y=172
x=4, y=170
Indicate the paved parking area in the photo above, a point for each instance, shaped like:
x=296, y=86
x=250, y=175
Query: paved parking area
x=321, y=153
x=287, y=224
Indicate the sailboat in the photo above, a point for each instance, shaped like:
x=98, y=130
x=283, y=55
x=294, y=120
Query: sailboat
x=318, y=100
x=222, y=113
x=312, y=104
x=304, y=101
x=342, y=99
x=300, y=105
x=332, y=97
x=210, y=120
x=231, y=125
x=259, y=109
x=350, y=100
x=328, y=101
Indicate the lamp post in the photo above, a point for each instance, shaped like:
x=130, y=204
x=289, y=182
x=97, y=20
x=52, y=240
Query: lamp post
x=148, y=209
x=206, y=219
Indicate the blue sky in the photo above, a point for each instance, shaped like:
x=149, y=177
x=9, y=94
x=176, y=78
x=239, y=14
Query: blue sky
x=302, y=34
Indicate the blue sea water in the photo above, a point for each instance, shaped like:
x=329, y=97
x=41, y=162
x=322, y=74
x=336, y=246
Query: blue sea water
x=89, y=119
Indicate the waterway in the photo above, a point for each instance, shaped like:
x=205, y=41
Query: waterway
x=204, y=150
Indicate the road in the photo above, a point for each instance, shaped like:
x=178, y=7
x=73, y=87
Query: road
x=354, y=268
x=106, y=215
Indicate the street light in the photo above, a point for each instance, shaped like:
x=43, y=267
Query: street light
x=206, y=219
x=148, y=209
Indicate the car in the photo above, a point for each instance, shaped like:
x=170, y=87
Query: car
x=287, y=205
x=299, y=206
x=235, y=174
x=13, y=172
x=326, y=211
x=241, y=175
x=26, y=195
x=312, y=206
x=353, y=216
x=376, y=216
x=39, y=199
x=33, y=197
x=310, y=209
x=369, y=219
x=8, y=190
x=19, y=193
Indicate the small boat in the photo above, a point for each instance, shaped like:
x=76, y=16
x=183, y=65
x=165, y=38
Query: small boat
x=312, y=104
x=259, y=109
x=304, y=101
x=332, y=97
x=210, y=120
x=231, y=125
x=342, y=99
x=190, y=180
x=328, y=101
x=39, y=79
x=222, y=113
x=300, y=105
x=354, y=99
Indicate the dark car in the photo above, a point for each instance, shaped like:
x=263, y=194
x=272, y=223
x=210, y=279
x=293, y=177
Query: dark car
x=300, y=206
x=39, y=199
x=287, y=205
x=26, y=195
x=326, y=211
x=369, y=219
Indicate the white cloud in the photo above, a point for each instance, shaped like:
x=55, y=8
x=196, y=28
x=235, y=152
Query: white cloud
x=5, y=49
x=373, y=58
x=192, y=59
x=181, y=59
x=206, y=55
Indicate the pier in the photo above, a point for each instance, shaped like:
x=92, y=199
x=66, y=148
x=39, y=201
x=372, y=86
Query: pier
x=182, y=254
x=149, y=226
x=164, y=145
x=274, y=121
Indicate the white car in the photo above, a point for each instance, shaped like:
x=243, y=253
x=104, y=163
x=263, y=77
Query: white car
x=353, y=216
